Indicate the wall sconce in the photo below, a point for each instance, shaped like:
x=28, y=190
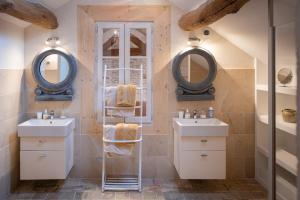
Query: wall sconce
x=193, y=41
x=53, y=41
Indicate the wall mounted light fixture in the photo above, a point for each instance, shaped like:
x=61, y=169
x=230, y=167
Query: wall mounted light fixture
x=53, y=41
x=194, y=41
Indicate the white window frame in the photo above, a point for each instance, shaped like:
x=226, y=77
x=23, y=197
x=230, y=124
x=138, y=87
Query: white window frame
x=124, y=60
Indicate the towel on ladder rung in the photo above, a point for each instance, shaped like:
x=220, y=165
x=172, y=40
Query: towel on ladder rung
x=126, y=95
x=111, y=99
x=120, y=132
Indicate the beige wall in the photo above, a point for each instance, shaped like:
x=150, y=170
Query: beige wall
x=233, y=83
x=12, y=107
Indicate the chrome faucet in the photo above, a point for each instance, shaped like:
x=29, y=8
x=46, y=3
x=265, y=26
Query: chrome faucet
x=195, y=114
x=51, y=114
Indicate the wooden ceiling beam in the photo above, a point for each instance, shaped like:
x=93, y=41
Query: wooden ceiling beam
x=115, y=52
x=209, y=12
x=111, y=42
x=30, y=12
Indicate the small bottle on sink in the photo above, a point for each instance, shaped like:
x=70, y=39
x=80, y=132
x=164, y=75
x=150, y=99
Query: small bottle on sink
x=45, y=114
x=187, y=114
x=211, y=112
x=202, y=114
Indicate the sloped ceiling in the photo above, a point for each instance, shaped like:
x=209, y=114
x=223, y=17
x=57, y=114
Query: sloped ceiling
x=247, y=29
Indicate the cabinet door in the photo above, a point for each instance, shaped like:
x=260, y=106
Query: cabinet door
x=38, y=165
x=203, y=165
x=43, y=143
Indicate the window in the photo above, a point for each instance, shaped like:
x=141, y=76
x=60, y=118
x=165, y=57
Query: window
x=127, y=45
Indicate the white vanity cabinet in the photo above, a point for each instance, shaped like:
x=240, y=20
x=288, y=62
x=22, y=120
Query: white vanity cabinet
x=200, y=156
x=43, y=156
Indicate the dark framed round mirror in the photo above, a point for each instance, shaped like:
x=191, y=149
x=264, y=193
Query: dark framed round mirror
x=194, y=69
x=54, y=71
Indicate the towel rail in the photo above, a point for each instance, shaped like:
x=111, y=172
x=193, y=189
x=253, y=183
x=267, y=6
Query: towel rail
x=138, y=88
x=122, y=108
x=122, y=68
x=122, y=141
x=120, y=184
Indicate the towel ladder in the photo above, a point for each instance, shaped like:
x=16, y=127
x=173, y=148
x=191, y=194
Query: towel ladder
x=130, y=182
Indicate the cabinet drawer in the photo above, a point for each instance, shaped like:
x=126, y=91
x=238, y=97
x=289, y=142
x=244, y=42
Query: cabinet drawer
x=35, y=165
x=203, y=165
x=203, y=143
x=42, y=143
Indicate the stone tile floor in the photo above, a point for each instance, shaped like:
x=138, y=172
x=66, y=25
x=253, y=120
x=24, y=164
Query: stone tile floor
x=153, y=189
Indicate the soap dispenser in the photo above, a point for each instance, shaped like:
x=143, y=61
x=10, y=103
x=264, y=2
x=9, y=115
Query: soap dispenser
x=187, y=114
x=211, y=112
x=45, y=114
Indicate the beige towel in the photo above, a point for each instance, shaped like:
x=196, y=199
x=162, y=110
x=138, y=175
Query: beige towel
x=126, y=95
x=111, y=96
x=126, y=132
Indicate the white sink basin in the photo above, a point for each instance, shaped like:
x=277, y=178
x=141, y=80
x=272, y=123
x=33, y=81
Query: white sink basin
x=46, y=128
x=200, y=127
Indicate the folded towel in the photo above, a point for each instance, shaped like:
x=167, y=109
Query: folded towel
x=126, y=132
x=126, y=95
x=110, y=100
x=120, y=132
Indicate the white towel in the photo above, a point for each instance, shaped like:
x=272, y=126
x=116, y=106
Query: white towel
x=109, y=133
x=111, y=93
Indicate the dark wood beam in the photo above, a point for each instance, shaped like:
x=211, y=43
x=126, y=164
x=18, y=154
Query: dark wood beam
x=140, y=44
x=209, y=12
x=115, y=52
x=30, y=12
x=109, y=43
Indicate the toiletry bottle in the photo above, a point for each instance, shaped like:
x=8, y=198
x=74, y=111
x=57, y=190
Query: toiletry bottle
x=202, y=114
x=187, y=114
x=211, y=112
x=181, y=114
x=62, y=115
x=45, y=114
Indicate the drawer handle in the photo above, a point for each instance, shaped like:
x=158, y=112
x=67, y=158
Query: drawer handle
x=204, y=155
x=204, y=140
x=41, y=141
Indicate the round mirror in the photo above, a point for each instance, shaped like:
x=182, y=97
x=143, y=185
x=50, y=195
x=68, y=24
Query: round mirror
x=194, y=68
x=54, y=68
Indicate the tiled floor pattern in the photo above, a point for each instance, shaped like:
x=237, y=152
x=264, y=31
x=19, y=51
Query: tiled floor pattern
x=153, y=189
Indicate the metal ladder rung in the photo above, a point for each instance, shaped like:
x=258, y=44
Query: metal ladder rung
x=120, y=178
x=120, y=187
x=120, y=183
